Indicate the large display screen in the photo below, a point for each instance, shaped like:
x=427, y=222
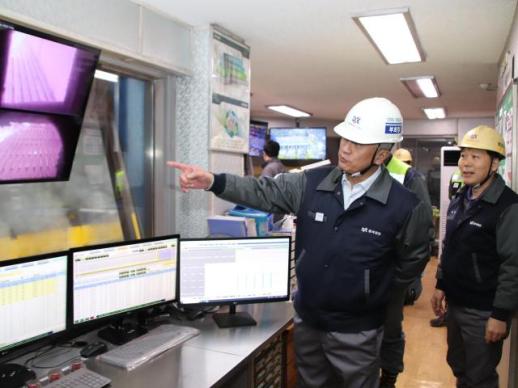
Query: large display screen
x=44, y=86
x=35, y=146
x=300, y=143
x=115, y=279
x=33, y=299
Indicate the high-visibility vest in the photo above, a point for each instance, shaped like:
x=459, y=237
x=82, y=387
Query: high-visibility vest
x=456, y=182
x=397, y=169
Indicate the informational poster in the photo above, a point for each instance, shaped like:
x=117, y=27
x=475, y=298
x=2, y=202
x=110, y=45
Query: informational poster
x=229, y=124
x=230, y=83
x=504, y=125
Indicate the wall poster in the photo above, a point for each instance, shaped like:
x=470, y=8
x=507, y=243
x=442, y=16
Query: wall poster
x=230, y=83
x=504, y=123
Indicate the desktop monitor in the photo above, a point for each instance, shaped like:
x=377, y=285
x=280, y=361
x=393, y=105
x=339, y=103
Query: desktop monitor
x=33, y=300
x=300, y=143
x=234, y=271
x=113, y=280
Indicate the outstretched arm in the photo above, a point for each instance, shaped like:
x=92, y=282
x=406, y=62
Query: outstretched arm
x=192, y=177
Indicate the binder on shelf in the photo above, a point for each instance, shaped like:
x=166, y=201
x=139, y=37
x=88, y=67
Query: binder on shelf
x=227, y=226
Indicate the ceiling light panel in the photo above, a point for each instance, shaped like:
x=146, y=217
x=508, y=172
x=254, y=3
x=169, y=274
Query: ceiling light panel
x=288, y=110
x=424, y=86
x=435, y=113
x=393, y=35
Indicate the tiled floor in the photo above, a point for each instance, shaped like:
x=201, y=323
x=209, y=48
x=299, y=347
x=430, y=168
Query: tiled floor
x=425, y=353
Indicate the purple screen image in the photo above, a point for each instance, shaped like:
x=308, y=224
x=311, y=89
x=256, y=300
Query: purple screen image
x=43, y=75
x=31, y=147
x=257, y=139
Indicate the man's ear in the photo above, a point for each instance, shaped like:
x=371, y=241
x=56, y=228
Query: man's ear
x=495, y=163
x=381, y=155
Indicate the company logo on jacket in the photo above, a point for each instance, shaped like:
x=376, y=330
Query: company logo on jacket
x=475, y=224
x=371, y=231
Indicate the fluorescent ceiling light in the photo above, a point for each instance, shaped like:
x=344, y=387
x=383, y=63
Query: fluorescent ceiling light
x=104, y=75
x=288, y=110
x=393, y=34
x=434, y=113
x=424, y=86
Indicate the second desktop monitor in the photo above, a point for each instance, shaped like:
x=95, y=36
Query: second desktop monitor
x=234, y=271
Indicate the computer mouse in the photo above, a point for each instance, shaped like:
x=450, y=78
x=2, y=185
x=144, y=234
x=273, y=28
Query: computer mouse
x=93, y=349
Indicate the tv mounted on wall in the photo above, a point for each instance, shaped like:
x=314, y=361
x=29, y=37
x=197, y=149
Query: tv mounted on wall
x=44, y=86
x=300, y=143
x=257, y=137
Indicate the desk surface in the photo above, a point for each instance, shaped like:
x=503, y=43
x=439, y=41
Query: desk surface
x=206, y=359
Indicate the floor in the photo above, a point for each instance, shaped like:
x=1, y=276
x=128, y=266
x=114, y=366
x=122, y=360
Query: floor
x=425, y=353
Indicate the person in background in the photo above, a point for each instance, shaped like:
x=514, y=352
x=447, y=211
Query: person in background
x=273, y=166
x=433, y=179
x=393, y=345
x=478, y=273
x=404, y=155
x=358, y=233
x=456, y=182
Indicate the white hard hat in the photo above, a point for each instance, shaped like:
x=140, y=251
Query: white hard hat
x=372, y=121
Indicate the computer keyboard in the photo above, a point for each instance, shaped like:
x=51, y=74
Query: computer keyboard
x=81, y=378
x=144, y=348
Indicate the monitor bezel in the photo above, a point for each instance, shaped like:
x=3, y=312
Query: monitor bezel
x=101, y=321
x=236, y=302
x=54, y=38
x=29, y=345
x=324, y=129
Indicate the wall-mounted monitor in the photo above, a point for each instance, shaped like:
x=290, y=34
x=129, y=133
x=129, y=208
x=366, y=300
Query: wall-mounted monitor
x=233, y=271
x=111, y=281
x=44, y=86
x=257, y=137
x=300, y=143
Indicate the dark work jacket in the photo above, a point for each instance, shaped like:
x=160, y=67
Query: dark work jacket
x=473, y=251
x=346, y=258
x=347, y=261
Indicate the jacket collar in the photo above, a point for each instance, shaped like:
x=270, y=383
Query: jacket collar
x=379, y=190
x=494, y=191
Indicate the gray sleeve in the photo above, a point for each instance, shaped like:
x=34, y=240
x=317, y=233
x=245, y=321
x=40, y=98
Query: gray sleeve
x=418, y=186
x=413, y=245
x=268, y=170
x=507, y=248
x=282, y=194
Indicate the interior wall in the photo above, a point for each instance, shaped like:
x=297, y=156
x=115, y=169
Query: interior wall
x=118, y=26
x=415, y=128
x=510, y=351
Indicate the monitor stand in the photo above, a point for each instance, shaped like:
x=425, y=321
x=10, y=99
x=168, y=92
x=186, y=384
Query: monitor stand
x=233, y=319
x=14, y=375
x=119, y=332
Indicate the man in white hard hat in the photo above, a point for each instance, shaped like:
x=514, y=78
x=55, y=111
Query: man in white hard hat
x=478, y=272
x=358, y=233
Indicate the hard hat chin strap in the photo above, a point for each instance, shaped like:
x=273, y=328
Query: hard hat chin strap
x=362, y=172
x=488, y=176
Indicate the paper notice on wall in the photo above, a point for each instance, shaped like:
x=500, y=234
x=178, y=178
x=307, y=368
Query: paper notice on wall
x=230, y=120
x=504, y=125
